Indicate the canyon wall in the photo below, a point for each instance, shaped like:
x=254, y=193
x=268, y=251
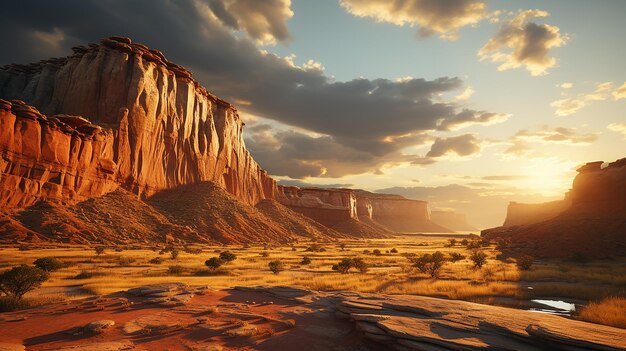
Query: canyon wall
x=152, y=127
x=333, y=206
x=593, y=225
x=521, y=213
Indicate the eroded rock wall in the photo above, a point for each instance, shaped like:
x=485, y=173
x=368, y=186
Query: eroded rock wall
x=161, y=128
x=522, y=213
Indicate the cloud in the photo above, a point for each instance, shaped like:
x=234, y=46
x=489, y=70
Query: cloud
x=368, y=121
x=566, y=85
x=431, y=16
x=618, y=127
x=503, y=177
x=559, y=135
x=264, y=21
x=521, y=42
x=466, y=94
x=462, y=145
x=299, y=155
x=570, y=105
x=620, y=93
x=519, y=149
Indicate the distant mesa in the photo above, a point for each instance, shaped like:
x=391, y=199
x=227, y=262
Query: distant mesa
x=590, y=221
x=118, y=119
x=454, y=221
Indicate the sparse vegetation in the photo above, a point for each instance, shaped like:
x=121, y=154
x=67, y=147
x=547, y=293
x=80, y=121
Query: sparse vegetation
x=394, y=250
x=346, y=264
x=213, y=263
x=430, y=264
x=176, y=269
x=525, y=262
x=276, y=266
x=49, y=264
x=174, y=253
x=610, y=311
x=376, y=252
x=99, y=250
x=305, y=260
x=227, y=256
x=478, y=258
x=19, y=280
x=156, y=260
x=455, y=257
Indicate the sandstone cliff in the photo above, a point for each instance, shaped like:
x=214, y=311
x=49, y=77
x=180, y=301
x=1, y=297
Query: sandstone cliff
x=594, y=224
x=521, y=213
x=146, y=125
x=347, y=209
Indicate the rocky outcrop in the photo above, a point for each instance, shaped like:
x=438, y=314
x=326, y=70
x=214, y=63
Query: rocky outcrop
x=593, y=225
x=347, y=208
x=521, y=213
x=452, y=220
x=146, y=125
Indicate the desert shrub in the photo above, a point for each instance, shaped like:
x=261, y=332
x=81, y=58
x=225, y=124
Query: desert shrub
x=293, y=248
x=484, y=242
x=430, y=264
x=452, y=242
x=478, y=258
x=376, y=252
x=192, y=250
x=99, y=250
x=464, y=242
x=156, y=260
x=474, y=244
x=455, y=257
x=175, y=269
x=394, y=250
x=174, y=253
x=49, y=264
x=525, y=262
x=265, y=254
x=305, y=260
x=276, y=266
x=359, y=264
x=342, y=246
x=84, y=275
x=335, y=267
x=213, y=263
x=366, y=251
x=118, y=249
x=227, y=256
x=488, y=273
x=316, y=248
x=610, y=311
x=345, y=264
x=125, y=261
x=19, y=280
x=10, y=303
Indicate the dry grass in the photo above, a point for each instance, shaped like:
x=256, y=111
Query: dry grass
x=610, y=311
x=389, y=273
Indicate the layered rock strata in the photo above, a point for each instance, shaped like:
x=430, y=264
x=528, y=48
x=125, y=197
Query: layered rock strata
x=146, y=125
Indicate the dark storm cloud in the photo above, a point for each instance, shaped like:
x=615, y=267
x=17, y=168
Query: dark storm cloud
x=366, y=121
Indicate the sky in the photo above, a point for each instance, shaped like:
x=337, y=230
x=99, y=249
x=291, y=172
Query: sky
x=468, y=104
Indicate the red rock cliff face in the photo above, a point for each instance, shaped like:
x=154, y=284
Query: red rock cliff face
x=326, y=206
x=332, y=206
x=160, y=129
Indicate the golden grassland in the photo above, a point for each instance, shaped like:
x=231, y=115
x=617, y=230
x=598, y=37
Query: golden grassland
x=610, y=311
x=389, y=273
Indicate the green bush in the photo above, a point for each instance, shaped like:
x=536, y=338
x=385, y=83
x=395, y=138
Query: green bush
x=19, y=280
x=49, y=264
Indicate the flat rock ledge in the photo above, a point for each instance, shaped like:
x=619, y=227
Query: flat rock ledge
x=167, y=294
